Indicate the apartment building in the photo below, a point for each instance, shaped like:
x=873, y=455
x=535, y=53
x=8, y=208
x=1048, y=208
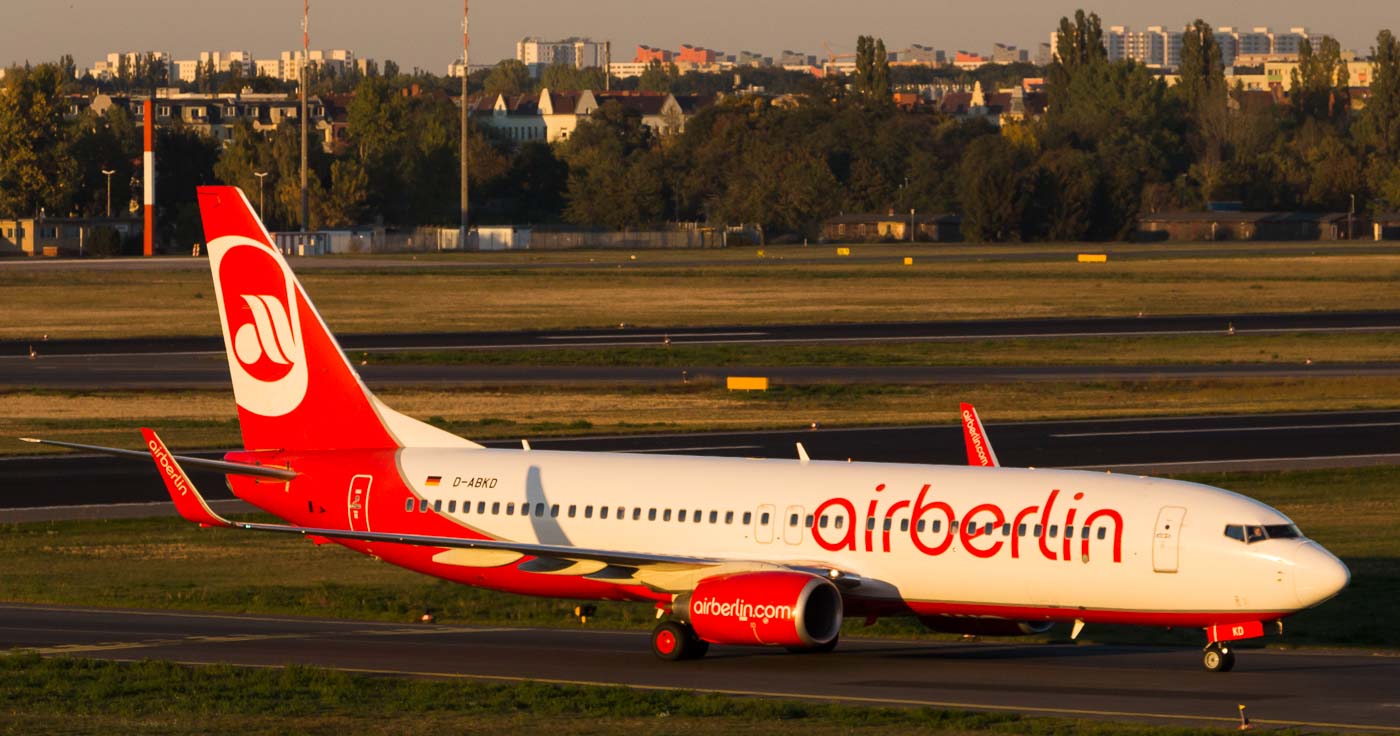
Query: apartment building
x=1159, y=47
x=579, y=53
x=552, y=115
x=109, y=68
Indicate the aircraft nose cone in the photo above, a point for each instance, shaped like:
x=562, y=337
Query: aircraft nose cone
x=1317, y=574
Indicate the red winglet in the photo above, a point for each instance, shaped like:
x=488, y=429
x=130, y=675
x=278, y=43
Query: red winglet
x=187, y=500
x=979, y=448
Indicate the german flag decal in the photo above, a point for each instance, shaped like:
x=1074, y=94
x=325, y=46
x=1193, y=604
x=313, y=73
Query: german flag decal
x=433, y=480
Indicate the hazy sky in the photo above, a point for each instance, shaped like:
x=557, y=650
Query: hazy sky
x=426, y=33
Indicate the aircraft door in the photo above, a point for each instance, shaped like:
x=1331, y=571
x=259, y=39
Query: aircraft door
x=1166, y=538
x=357, y=503
x=792, y=525
x=763, y=522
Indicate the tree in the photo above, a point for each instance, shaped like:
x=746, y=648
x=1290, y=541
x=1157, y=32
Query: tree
x=510, y=77
x=872, y=76
x=994, y=190
x=613, y=178
x=391, y=68
x=36, y=166
x=1202, y=91
x=1079, y=49
x=658, y=77
x=1320, y=84
x=1379, y=126
x=345, y=202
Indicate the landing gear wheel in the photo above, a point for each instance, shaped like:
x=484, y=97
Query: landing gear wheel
x=1218, y=658
x=818, y=649
x=672, y=641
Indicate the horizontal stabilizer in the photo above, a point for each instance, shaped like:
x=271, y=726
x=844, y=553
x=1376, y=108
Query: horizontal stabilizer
x=224, y=466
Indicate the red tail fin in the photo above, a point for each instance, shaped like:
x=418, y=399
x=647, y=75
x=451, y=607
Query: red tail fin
x=295, y=389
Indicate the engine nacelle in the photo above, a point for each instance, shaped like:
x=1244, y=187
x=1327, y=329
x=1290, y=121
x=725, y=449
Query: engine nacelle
x=790, y=609
x=984, y=626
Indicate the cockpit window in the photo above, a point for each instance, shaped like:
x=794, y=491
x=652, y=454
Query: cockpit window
x=1251, y=533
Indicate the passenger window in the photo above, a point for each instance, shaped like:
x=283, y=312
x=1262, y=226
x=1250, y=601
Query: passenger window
x=665, y=514
x=1005, y=530
x=480, y=507
x=889, y=523
x=1037, y=531
x=554, y=510
x=714, y=517
x=423, y=506
x=698, y=516
x=1103, y=532
x=1021, y=530
x=904, y=525
x=921, y=525
x=510, y=509
x=621, y=513
x=680, y=515
x=748, y=518
x=870, y=523
x=408, y=505
x=637, y=513
x=466, y=507
x=602, y=512
x=792, y=520
x=937, y=525
x=573, y=510
x=808, y=522
x=729, y=517
x=987, y=530
x=452, y=506
x=1054, y=530
x=763, y=520
x=822, y=521
x=651, y=514
x=587, y=512
x=495, y=508
x=539, y=509
x=839, y=522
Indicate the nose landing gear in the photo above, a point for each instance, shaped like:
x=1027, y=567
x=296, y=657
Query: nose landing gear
x=1218, y=657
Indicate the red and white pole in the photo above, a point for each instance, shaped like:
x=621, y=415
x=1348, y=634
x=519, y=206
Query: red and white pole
x=148, y=180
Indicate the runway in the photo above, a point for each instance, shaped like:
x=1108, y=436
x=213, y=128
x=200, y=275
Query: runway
x=74, y=485
x=1310, y=690
x=852, y=333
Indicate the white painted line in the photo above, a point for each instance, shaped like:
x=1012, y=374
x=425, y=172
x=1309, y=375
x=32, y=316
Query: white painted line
x=1278, y=428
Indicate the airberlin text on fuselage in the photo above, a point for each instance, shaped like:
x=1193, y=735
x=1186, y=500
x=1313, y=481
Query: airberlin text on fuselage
x=167, y=466
x=970, y=527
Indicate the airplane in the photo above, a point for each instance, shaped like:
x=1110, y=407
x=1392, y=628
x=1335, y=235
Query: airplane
x=731, y=551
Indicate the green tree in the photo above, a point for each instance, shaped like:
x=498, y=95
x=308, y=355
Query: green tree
x=1379, y=124
x=1320, y=83
x=872, y=76
x=37, y=169
x=614, y=179
x=510, y=77
x=1202, y=91
x=344, y=203
x=995, y=190
x=658, y=77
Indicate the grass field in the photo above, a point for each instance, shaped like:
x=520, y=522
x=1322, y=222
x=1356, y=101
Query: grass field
x=72, y=697
x=1285, y=349
x=201, y=419
x=168, y=563
x=88, y=302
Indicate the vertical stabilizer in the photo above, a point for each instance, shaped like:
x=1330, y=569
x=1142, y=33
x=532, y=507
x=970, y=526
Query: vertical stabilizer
x=294, y=387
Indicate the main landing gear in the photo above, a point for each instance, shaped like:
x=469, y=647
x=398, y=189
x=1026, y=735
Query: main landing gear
x=672, y=640
x=1218, y=657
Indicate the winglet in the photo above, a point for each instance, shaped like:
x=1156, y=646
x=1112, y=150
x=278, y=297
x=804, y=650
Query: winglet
x=979, y=448
x=187, y=500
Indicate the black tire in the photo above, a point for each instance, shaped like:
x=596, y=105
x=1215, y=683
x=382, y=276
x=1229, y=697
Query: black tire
x=1217, y=658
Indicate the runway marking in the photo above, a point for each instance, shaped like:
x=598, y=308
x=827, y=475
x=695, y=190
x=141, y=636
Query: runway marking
x=1209, y=430
x=60, y=649
x=854, y=699
x=651, y=337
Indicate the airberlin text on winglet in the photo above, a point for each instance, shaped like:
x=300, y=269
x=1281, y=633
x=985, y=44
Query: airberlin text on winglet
x=167, y=466
x=968, y=527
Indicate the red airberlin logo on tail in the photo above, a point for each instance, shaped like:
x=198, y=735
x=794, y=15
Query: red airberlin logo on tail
x=264, y=344
x=267, y=357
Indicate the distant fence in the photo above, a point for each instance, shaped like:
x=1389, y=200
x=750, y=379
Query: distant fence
x=432, y=239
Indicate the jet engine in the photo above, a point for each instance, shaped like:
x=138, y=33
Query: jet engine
x=782, y=608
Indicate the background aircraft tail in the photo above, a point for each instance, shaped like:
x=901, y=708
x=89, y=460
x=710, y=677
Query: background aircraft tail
x=294, y=387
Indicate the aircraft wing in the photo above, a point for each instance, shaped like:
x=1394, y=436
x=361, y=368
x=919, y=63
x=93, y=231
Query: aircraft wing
x=224, y=466
x=675, y=573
